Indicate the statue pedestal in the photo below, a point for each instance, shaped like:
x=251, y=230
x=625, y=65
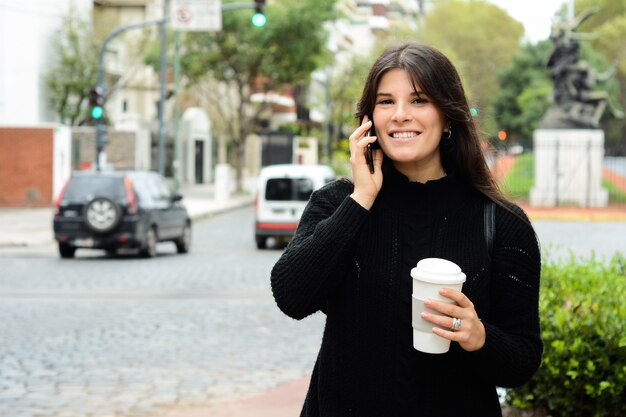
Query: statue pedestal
x=568, y=168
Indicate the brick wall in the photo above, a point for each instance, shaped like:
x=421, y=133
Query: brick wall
x=26, y=167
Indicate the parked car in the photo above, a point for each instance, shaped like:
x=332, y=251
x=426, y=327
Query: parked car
x=283, y=192
x=113, y=210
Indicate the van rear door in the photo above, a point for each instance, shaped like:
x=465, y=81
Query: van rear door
x=285, y=199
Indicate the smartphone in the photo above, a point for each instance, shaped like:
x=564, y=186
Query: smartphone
x=369, y=158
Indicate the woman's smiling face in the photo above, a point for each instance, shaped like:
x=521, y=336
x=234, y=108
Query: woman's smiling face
x=409, y=127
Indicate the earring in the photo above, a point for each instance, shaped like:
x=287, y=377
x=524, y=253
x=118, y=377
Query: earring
x=449, y=134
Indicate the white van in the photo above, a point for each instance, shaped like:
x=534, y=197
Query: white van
x=282, y=195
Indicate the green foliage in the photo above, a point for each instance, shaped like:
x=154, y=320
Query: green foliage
x=345, y=85
x=616, y=195
x=293, y=128
x=524, y=97
x=520, y=179
x=74, y=73
x=583, y=319
x=608, y=25
x=286, y=50
x=241, y=59
x=481, y=39
x=341, y=159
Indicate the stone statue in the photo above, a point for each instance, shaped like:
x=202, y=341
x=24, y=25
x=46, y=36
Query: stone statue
x=576, y=104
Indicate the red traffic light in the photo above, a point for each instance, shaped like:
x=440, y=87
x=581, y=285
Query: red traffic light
x=502, y=135
x=259, y=6
x=96, y=97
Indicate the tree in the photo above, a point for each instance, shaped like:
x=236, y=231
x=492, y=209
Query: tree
x=609, y=26
x=344, y=86
x=524, y=96
x=68, y=81
x=242, y=60
x=481, y=39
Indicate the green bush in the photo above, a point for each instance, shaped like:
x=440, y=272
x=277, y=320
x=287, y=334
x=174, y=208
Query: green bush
x=583, y=318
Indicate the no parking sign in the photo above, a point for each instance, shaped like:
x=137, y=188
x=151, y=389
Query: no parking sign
x=196, y=15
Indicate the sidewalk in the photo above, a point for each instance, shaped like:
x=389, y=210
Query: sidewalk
x=615, y=213
x=21, y=227
x=283, y=401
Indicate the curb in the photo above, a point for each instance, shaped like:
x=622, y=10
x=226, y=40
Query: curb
x=234, y=205
x=42, y=236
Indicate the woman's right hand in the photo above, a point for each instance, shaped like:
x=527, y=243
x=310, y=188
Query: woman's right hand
x=366, y=184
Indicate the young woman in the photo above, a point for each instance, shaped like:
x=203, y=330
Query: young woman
x=357, y=242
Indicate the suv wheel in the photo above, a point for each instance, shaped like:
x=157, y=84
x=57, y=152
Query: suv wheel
x=66, y=250
x=184, y=242
x=149, y=249
x=102, y=215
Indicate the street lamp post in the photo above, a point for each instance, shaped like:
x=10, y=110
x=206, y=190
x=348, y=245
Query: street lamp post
x=162, y=70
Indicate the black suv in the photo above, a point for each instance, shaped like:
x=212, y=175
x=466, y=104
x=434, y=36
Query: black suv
x=111, y=210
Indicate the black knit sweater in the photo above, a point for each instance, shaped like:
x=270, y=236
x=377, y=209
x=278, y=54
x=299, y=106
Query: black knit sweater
x=353, y=264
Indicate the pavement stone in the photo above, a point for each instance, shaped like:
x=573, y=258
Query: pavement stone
x=97, y=392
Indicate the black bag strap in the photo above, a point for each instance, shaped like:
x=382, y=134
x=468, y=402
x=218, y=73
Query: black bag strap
x=490, y=225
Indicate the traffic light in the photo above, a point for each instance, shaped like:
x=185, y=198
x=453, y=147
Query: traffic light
x=96, y=101
x=258, y=18
x=474, y=111
x=502, y=135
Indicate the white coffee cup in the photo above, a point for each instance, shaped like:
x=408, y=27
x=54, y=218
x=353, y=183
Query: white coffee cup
x=429, y=276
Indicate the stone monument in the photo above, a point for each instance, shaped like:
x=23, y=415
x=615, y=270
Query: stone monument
x=569, y=144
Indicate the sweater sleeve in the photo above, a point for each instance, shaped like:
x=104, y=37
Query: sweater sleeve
x=316, y=260
x=513, y=346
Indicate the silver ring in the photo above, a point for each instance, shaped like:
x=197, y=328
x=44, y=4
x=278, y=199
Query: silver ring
x=456, y=324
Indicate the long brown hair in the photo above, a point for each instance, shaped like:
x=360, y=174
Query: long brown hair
x=439, y=80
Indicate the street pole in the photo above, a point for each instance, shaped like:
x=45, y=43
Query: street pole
x=101, y=130
x=326, y=146
x=176, y=156
x=162, y=71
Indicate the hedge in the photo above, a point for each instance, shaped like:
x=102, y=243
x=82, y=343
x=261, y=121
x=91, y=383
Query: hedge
x=583, y=317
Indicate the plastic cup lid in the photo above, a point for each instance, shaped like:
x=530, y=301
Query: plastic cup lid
x=438, y=271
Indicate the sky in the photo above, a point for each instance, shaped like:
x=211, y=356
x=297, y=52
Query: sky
x=535, y=15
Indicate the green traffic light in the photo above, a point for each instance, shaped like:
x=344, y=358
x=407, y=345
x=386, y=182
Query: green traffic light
x=474, y=111
x=259, y=19
x=97, y=112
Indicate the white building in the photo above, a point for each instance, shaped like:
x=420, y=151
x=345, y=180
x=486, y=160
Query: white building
x=26, y=30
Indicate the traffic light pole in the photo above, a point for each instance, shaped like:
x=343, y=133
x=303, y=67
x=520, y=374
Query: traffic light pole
x=101, y=130
x=162, y=70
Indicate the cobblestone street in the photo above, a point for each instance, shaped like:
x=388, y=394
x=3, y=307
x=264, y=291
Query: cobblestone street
x=103, y=337
x=97, y=336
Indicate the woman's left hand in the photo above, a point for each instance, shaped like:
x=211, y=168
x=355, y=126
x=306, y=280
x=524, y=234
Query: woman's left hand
x=471, y=333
